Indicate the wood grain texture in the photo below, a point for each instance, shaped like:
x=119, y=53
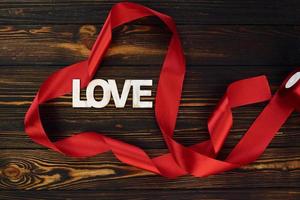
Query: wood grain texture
x=183, y=11
x=266, y=194
x=224, y=41
x=203, y=44
x=42, y=169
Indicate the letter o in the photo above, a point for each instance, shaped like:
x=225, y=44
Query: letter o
x=91, y=101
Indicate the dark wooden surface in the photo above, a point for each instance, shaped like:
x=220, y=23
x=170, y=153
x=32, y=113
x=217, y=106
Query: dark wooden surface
x=223, y=41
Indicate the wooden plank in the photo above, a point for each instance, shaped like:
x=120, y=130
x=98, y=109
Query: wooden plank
x=183, y=11
x=43, y=169
x=136, y=126
x=145, y=135
x=203, y=44
x=266, y=194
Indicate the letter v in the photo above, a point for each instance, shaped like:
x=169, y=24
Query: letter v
x=119, y=102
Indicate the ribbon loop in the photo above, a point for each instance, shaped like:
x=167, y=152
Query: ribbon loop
x=198, y=160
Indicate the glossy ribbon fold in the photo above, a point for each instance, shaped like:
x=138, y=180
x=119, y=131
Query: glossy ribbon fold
x=198, y=160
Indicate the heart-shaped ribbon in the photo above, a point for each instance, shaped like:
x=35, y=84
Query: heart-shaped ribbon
x=198, y=160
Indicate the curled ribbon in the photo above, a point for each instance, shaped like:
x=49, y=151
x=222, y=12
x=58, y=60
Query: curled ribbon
x=198, y=160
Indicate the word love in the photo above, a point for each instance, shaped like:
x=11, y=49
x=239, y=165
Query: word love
x=109, y=89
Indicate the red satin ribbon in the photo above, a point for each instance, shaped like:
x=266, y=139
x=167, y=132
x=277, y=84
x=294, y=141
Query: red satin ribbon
x=198, y=160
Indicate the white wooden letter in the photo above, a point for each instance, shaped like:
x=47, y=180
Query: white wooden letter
x=119, y=101
x=137, y=93
x=91, y=101
x=76, y=102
